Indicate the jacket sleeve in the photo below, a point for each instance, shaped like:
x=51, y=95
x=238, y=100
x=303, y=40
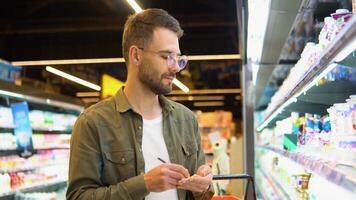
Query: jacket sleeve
x=86, y=165
x=201, y=161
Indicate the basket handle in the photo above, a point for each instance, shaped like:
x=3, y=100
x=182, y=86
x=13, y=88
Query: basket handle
x=239, y=176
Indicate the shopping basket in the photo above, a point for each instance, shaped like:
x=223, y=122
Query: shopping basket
x=236, y=176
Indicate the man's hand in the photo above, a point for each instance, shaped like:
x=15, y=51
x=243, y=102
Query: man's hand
x=199, y=182
x=164, y=177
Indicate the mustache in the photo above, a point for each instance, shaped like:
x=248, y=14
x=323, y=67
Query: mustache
x=169, y=75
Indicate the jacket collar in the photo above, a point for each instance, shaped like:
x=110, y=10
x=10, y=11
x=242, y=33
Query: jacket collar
x=122, y=104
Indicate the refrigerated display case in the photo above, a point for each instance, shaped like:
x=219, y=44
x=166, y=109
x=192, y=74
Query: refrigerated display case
x=51, y=117
x=305, y=143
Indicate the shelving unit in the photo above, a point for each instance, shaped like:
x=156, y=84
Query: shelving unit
x=48, y=157
x=49, y=186
x=345, y=42
x=328, y=171
x=312, y=93
x=276, y=190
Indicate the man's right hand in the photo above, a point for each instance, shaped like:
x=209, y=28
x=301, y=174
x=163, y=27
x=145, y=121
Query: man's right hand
x=165, y=177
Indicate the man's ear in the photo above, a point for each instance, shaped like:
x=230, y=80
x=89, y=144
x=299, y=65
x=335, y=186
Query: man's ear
x=134, y=55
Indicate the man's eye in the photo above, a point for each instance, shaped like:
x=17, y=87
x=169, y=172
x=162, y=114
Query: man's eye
x=164, y=56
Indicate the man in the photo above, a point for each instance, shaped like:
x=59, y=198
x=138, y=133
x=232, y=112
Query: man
x=138, y=144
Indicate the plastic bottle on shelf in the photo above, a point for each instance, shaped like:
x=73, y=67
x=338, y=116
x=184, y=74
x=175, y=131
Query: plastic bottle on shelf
x=332, y=115
x=324, y=36
x=352, y=117
x=5, y=182
x=309, y=127
x=340, y=18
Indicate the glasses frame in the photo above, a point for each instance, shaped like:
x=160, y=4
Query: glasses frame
x=171, y=58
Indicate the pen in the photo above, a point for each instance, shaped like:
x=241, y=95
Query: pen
x=160, y=159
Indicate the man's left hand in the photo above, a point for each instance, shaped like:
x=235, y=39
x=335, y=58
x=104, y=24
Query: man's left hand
x=199, y=182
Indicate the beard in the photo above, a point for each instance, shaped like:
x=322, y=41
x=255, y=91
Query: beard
x=151, y=78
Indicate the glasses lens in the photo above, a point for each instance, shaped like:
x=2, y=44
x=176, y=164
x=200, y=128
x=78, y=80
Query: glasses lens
x=182, y=62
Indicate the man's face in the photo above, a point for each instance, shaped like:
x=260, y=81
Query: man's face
x=153, y=70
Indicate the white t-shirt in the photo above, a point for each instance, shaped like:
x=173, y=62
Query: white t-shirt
x=153, y=147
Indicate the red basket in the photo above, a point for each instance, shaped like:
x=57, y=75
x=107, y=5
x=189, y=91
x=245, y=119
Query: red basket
x=225, y=197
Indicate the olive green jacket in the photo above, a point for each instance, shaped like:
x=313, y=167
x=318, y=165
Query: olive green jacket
x=106, y=160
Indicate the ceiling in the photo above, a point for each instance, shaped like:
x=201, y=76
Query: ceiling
x=82, y=29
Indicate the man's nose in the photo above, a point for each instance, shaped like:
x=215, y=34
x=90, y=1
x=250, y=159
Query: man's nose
x=175, y=68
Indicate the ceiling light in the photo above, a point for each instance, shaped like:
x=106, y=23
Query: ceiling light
x=113, y=60
x=73, y=78
x=134, y=5
x=257, y=24
x=68, y=61
x=207, y=91
x=215, y=57
x=347, y=50
x=180, y=85
x=90, y=100
x=87, y=94
x=42, y=101
x=11, y=94
x=208, y=103
x=196, y=98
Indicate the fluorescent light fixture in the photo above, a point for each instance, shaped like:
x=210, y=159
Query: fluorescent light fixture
x=215, y=57
x=207, y=91
x=11, y=94
x=40, y=100
x=351, y=46
x=90, y=100
x=134, y=5
x=73, y=78
x=293, y=99
x=197, y=98
x=317, y=78
x=208, y=103
x=68, y=61
x=114, y=60
x=180, y=85
x=87, y=94
x=257, y=24
x=255, y=68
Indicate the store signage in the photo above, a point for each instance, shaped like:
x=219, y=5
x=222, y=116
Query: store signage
x=9, y=72
x=22, y=129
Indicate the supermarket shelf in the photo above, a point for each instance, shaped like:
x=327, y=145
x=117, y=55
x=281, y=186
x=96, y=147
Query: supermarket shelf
x=328, y=171
x=279, y=190
x=47, y=101
x=6, y=130
x=8, y=152
x=31, y=168
x=317, y=100
x=49, y=186
x=343, y=40
x=11, y=152
x=11, y=130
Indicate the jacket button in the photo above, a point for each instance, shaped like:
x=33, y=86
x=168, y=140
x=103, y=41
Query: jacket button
x=139, y=127
x=123, y=159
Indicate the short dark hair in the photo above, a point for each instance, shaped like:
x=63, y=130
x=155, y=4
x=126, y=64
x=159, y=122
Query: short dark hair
x=139, y=28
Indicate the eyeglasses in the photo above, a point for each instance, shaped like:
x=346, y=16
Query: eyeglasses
x=171, y=58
